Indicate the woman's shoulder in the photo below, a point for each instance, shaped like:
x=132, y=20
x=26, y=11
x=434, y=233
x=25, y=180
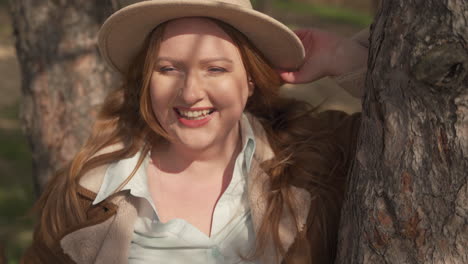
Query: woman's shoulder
x=92, y=180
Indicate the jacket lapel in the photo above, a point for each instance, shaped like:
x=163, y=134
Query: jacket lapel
x=98, y=243
x=105, y=242
x=83, y=245
x=258, y=186
x=114, y=248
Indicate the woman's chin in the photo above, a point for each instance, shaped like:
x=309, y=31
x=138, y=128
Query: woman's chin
x=193, y=140
x=210, y=135
x=195, y=144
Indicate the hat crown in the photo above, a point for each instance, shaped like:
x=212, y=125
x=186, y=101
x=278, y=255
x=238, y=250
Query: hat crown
x=241, y=3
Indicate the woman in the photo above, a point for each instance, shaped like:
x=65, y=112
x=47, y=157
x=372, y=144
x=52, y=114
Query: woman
x=197, y=158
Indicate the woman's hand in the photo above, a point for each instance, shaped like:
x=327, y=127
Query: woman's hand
x=326, y=54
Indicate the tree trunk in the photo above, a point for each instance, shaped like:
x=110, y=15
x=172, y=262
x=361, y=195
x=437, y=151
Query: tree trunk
x=63, y=77
x=407, y=198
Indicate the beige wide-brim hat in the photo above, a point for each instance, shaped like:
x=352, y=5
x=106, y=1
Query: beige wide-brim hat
x=122, y=35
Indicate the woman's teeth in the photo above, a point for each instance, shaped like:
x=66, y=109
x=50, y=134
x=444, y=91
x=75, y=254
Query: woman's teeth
x=194, y=115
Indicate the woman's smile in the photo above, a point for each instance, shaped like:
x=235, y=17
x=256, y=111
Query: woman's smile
x=194, y=117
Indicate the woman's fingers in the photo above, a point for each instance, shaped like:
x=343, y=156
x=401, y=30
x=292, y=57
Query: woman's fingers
x=303, y=75
x=326, y=54
x=289, y=77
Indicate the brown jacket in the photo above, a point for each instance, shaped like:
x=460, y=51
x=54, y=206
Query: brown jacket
x=105, y=236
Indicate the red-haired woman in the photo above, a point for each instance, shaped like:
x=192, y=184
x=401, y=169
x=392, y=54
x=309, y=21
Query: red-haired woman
x=197, y=158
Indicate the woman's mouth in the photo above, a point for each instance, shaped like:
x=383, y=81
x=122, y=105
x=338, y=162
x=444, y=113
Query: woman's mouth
x=194, y=117
x=194, y=114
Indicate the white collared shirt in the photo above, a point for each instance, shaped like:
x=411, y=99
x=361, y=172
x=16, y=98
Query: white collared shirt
x=177, y=241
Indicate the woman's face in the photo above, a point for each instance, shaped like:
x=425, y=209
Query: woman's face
x=199, y=86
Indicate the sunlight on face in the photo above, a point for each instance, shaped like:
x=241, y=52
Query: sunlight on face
x=199, y=86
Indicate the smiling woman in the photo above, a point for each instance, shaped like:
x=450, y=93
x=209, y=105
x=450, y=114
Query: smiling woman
x=197, y=157
x=199, y=68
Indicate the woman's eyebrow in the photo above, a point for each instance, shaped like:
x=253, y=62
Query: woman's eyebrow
x=208, y=60
x=203, y=61
x=173, y=60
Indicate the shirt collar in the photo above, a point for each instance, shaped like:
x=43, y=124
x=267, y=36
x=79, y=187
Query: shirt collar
x=119, y=171
x=248, y=141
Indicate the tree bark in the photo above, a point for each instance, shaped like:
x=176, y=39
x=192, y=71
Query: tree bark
x=63, y=77
x=407, y=199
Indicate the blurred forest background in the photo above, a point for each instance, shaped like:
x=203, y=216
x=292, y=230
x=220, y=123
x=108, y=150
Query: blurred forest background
x=345, y=17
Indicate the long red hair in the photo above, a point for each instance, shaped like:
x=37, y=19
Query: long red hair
x=127, y=117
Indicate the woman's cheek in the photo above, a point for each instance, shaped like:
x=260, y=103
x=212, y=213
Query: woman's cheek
x=161, y=98
x=164, y=89
x=231, y=92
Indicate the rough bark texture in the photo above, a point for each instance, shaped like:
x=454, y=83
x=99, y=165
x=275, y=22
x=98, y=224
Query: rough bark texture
x=407, y=200
x=63, y=77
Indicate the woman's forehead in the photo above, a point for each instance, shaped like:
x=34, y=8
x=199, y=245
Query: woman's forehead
x=194, y=26
x=190, y=36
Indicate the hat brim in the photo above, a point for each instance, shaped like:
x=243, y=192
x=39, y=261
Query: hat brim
x=122, y=35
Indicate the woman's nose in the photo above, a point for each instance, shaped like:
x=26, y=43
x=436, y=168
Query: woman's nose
x=192, y=90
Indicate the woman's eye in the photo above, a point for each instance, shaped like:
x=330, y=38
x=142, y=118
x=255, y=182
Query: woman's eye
x=167, y=69
x=216, y=69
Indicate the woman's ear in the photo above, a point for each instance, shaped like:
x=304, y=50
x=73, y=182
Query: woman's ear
x=251, y=85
